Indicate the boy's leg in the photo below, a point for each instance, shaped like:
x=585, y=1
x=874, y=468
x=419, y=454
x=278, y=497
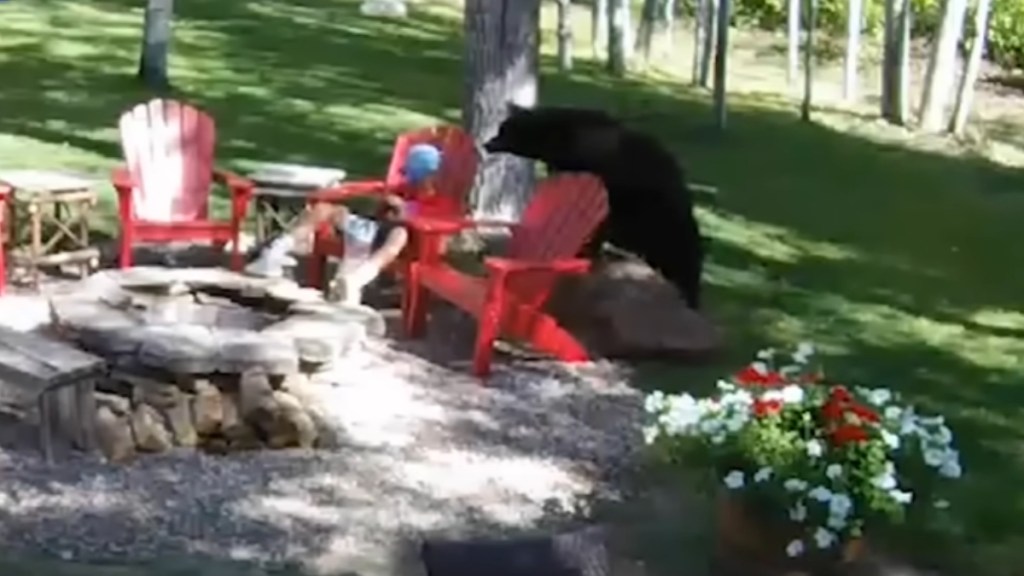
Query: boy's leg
x=275, y=254
x=389, y=242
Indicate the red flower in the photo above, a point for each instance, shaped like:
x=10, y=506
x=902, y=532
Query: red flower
x=767, y=407
x=751, y=376
x=847, y=433
x=864, y=413
x=840, y=394
x=833, y=411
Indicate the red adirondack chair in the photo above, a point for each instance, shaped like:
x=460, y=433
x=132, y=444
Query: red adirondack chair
x=163, y=192
x=454, y=182
x=563, y=213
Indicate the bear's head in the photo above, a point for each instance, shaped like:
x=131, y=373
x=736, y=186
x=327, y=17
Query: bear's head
x=562, y=137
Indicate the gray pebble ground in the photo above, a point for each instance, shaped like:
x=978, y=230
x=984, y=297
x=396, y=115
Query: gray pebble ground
x=426, y=449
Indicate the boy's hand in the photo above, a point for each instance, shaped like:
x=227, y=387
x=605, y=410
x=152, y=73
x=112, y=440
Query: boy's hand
x=394, y=204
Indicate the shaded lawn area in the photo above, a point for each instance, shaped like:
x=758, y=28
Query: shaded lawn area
x=902, y=265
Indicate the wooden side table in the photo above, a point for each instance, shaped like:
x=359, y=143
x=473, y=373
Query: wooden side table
x=282, y=191
x=49, y=220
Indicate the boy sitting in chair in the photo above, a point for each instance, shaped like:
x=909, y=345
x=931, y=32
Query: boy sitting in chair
x=372, y=242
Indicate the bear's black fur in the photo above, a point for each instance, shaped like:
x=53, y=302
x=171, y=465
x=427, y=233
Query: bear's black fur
x=651, y=207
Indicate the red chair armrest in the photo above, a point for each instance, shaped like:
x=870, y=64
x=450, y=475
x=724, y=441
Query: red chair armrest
x=349, y=190
x=448, y=226
x=122, y=180
x=512, y=266
x=234, y=182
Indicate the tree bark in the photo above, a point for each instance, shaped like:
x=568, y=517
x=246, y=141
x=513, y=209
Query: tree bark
x=965, y=96
x=812, y=22
x=564, y=35
x=668, y=16
x=501, y=57
x=705, y=31
x=618, y=28
x=938, y=85
x=793, y=41
x=599, y=27
x=721, y=58
x=896, y=62
x=854, y=20
x=156, y=43
x=645, y=31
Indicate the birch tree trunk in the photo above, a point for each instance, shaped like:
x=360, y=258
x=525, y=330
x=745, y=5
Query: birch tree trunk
x=501, y=56
x=705, y=33
x=938, y=84
x=645, y=30
x=599, y=28
x=564, y=35
x=668, y=17
x=854, y=20
x=812, y=22
x=723, y=17
x=965, y=96
x=618, y=27
x=896, y=62
x=156, y=43
x=793, y=41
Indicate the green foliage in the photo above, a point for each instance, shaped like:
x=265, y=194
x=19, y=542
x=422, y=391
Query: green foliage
x=1006, y=33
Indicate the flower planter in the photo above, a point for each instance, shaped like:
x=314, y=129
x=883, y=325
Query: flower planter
x=750, y=542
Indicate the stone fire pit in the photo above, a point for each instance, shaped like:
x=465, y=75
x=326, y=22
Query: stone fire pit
x=206, y=357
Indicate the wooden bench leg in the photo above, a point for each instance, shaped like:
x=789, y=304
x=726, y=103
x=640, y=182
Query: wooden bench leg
x=46, y=426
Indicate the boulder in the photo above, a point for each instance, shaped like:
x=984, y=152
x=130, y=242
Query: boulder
x=624, y=309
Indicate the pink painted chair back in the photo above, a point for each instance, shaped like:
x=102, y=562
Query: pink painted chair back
x=169, y=150
x=561, y=217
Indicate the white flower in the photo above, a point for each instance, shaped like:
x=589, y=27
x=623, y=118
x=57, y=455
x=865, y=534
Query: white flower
x=840, y=505
x=815, y=448
x=824, y=538
x=763, y=474
x=759, y=367
x=795, y=485
x=901, y=496
x=892, y=413
x=792, y=394
x=934, y=457
x=654, y=402
x=766, y=354
x=836, y=522
x=891, y=440
x=886, y=480
x=941, y=504
x=880, y=396
x=718, y=439
x=798, y=513
x=681, y=414
x=650, y=434
x=734, y=480
x=951, y=469
x=834, y=471
x=942, y=435
x=804, y=351
x=795, y=548
x=820, y=493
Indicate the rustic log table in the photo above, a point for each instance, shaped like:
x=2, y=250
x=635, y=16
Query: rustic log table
x=282, y=192
x=41, y=370
x=56, y=207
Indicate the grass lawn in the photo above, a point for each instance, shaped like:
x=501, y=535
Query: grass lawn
x=903, y=264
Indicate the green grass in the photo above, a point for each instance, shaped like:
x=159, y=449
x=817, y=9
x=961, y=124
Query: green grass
x=903, y=264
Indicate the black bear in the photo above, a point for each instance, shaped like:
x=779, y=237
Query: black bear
x=651, y=207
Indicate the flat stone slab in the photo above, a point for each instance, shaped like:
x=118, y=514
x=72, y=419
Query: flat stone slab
x=208, y=320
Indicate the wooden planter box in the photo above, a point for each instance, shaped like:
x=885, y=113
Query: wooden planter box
x=752, y=544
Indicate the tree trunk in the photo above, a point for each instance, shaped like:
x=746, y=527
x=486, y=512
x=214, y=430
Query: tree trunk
x=618, y=28
x=645, y=31
x=668, y=17
x=965, y=96
x=501, y=56
x=599, y=27
x=564, y=35
x=156, y=42
x=938, y=84
x=812, y=23
x=721, y=57
x=896, y=62
x=854, y=19
x=707, y=21
x=793, y=41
